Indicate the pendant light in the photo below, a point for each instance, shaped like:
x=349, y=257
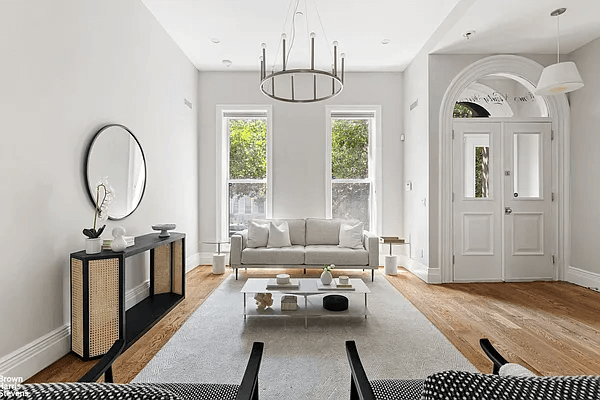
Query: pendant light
x=562, y=77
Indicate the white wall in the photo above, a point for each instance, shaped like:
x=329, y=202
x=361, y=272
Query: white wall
x=416, y=163
x=585, y=167
x=299, y=144
x=67, y=69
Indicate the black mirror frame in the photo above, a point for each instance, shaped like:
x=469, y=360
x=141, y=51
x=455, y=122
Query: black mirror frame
x=87, y=161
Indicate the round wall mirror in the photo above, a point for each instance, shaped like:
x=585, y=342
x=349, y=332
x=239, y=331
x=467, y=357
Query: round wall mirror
x=116, y=155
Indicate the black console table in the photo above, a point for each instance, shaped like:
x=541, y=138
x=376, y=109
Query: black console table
x=98, y=316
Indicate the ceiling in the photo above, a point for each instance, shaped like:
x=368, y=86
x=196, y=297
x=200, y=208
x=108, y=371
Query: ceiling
x=502, y=26
x=522, y=26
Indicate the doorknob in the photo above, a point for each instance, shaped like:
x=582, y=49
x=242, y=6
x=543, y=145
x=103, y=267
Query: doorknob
x=507, y=211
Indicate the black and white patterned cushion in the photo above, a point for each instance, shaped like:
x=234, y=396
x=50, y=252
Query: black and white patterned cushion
x=196, y=391
x=87, y=391
x=459, y=385
x=396, y=389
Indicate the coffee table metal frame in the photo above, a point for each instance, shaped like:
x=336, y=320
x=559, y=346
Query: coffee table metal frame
x=308, y=287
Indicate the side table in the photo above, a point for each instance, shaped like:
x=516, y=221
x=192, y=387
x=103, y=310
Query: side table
x=391, y=261
x=218, y=261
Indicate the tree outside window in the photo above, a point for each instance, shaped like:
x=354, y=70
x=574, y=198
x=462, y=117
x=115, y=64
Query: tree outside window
x=247, y=183
x=351, y=184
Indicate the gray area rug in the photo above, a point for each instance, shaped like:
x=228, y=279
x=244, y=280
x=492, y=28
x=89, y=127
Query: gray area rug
x=396, y=341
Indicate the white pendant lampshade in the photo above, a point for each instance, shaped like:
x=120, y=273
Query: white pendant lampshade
x=559, y=78
x=562, y=77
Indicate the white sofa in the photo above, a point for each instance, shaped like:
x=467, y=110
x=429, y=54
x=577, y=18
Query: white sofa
x=314, y=243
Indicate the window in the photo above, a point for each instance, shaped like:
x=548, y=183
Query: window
x=245, y=168
x=352, y=160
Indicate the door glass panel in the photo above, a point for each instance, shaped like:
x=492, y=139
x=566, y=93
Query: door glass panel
x=526, y=177
x=476, y=163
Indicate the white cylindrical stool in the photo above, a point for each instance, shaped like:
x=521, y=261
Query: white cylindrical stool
x=391, y=265
x=218, y=263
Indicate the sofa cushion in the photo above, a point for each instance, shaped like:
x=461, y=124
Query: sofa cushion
x=273, y=255
x=332, y=254
x=323, y=231
x=297, y=229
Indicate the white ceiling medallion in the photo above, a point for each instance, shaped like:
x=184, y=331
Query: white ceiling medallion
x=301, y=85
x=560, y=77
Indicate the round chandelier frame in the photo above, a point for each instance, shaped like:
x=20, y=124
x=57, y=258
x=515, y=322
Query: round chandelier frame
x=336, y=76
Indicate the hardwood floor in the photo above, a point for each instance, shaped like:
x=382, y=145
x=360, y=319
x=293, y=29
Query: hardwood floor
x=200, y=283
x=551, y=327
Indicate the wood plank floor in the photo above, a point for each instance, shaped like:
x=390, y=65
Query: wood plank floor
x=551, y=327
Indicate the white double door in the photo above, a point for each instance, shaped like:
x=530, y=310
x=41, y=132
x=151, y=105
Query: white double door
x=502, y=209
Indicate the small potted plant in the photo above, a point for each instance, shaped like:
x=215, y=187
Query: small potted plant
x=326, y=276
x=104, y=196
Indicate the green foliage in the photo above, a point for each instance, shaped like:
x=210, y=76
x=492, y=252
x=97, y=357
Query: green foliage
x=350, y=149
x=462, y=111
x=247, y=149
x=481, y=171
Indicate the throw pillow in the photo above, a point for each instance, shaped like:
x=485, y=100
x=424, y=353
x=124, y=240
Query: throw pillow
x=351, y=236
x=258, y=234
x=511, y=369
x=279, y=236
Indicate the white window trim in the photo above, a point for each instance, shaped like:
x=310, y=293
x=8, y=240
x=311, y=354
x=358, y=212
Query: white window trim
x=375, y=163
x=221, y=176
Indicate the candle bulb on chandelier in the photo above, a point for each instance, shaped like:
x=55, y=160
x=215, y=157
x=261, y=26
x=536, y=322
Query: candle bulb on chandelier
x=312, y=50
x=335, y=45
x=283, y=37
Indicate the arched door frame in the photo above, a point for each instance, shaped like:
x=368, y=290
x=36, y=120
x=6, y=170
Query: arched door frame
x=528, y=73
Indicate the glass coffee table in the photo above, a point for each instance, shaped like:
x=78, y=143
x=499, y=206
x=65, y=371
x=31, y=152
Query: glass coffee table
x=313, y=299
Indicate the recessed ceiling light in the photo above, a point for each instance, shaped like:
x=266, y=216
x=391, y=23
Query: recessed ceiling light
x=467, y=35
x=385, y=41
x=227, y=63
x=215, y=40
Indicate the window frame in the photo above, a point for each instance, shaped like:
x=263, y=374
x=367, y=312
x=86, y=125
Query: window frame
x=222, y=173
x=374, y=163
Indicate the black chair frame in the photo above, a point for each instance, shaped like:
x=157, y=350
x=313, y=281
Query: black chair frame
x=248, y=389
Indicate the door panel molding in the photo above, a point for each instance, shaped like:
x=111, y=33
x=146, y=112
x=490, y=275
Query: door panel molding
x=473, y=241
x=527, y=72
x=525, y=247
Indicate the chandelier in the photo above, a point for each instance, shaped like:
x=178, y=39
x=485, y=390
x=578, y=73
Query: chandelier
x=301, y=85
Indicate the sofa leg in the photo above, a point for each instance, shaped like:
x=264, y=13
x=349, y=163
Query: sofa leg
x=372, y=275
x=236, y=273
x=304, y=271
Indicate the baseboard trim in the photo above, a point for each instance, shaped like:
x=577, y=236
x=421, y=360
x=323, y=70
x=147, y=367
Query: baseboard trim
x=205, y=258
x=137, y=294
x=193, y=261
x=37, y=355
x=583, y=278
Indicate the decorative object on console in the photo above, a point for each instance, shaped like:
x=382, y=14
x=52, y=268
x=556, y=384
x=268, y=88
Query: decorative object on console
x=283, y=279
x=103, y=198
x=289, y=303
x=164, y=229
x=326, y=276
x=115, y=152
x=312, y=84
x=129, y=241
x=118, y=244
x=343, y=280
x=263, y=300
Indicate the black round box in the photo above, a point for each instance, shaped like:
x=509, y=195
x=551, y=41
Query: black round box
x=335, y=302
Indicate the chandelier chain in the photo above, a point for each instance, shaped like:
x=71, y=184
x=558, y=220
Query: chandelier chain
x=279, y=41
x=558, y=38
